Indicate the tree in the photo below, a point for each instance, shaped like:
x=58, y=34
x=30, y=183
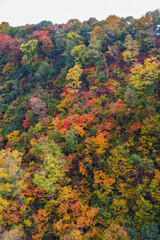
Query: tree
x=38, y=106
x=16, y=233
x=93, y=54
x=77, y=52
x=43, y=73
x=51, y=171
x=144, y=26
x=113, y=27
x=70, y=141
x=9, y=48
x=115, y=232
x=98, y=34
x=75, y=215
x=145, y=33
x=143, y=76
x=73, y=77
x=150, y=232
x=45, y=43
x=12, y=176
x=30, y=50
x=72, y=39
x=132, y=50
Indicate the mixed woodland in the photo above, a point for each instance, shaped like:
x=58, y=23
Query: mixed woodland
x=80, y=129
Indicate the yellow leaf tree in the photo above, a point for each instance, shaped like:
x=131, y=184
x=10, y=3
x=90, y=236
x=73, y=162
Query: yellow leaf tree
x=12, y=177
x=132, y=50
x=145, y=75
x=30, y=50
x=73, y=77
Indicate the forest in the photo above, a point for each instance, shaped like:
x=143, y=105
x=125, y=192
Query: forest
x=80, y=129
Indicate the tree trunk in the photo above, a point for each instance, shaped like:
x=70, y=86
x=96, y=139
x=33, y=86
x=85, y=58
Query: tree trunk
x=105, y=65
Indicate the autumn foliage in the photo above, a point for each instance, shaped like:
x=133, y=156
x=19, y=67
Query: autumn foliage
x=80, y=130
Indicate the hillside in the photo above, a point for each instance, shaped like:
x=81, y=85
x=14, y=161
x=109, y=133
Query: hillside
x=80, y=129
